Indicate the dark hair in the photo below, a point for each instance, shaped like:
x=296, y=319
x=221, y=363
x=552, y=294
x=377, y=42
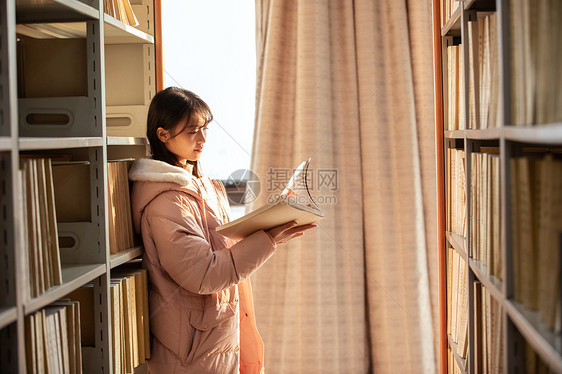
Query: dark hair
x=168, y=108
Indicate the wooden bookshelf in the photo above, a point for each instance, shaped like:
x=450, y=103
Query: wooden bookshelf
x=534, y=141
x=84, y=138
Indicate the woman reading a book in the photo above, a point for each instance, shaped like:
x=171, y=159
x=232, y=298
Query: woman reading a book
x=201, y=306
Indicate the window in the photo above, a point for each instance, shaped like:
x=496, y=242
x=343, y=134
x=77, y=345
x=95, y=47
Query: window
x=209, y=48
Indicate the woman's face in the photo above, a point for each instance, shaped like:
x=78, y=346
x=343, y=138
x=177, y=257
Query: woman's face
x=188, y=144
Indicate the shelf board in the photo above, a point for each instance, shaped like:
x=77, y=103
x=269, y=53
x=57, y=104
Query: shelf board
x=543, y=340
x=492, y=133
x=493, y=284
x=5, y=143
x=122, y=140
x=483, y=5
x=73, y=277
x=544, y=134
x=7, y=316
x=453, y=25
x=124, y=256
x=33, y=11
x=116, y=32
x=31, y=144
x=460, y=361
x=454, y=134
x=458, y=243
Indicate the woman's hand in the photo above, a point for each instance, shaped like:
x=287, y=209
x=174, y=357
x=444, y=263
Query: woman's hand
x=283, y=233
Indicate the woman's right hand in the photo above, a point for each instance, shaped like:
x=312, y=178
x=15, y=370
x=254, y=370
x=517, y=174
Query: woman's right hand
x=283, y=233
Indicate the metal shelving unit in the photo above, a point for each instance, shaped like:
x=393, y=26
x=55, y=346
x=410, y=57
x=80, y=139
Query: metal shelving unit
x=124, y=256
x=122, y=140
x=7, y=316
x=73, y=277
x=33, y=11
x=35, y=144
x=115, y=31
x=521, y=323
x=5, y=143
x=84, y=138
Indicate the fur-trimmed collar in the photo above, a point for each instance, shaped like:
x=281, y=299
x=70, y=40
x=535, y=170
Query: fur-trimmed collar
x=149, y=170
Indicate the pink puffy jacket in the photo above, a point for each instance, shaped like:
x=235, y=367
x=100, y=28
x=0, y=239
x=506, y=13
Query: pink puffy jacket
x=201, y=306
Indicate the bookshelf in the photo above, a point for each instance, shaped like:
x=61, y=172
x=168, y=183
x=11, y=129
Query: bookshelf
x=63, y=112
x=491, y=116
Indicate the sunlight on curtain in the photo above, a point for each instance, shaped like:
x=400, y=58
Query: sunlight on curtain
x=349, y=83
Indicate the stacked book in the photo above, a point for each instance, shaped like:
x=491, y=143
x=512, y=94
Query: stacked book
x=534, y=362
x=120, y=10
x=456, y=191
x=43, y=259
x=129, y=318
x=485, y=217
x=488, y=332
x=453, y=364
x=483, y=72
x=457, y=301
x=448, y=7
x=536, y=195
x=52, y=339
x=130, y=327
x=119, y=207
x=536, y=51
x=455, y=89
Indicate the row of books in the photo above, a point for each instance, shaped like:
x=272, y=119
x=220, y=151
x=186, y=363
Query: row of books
x=455, y=88
x=536, y=76
x=488, y=332
x=121, y=10
x=129, y=317
x=119, y=206
x=43, y=265
x=483, y=72
x=129, y=306
x=448, y=7
x=453, y=366
x=456, y=192
x=52, y=339
x=485, y=214
x=534, y=363
x=56, y=192
x=536, y=201
x=457, y=301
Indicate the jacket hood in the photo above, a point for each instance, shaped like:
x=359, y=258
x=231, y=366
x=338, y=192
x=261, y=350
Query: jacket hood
x=152, y=177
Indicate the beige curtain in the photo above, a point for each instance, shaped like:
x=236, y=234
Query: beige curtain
x=349, y=83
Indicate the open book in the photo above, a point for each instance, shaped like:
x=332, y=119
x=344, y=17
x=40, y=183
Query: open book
x=288, y=207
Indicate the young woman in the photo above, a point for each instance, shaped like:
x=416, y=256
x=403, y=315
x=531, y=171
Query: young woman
x=201, y=306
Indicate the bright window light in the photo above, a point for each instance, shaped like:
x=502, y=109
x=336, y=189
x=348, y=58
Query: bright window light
x=209, y=48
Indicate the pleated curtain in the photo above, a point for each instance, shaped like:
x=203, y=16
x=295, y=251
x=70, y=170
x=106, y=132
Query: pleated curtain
x=349, y=84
